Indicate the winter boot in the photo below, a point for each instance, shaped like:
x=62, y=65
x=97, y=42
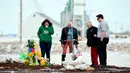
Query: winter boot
x=63, y=58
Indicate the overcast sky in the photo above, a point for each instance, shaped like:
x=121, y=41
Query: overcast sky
x=115, y=12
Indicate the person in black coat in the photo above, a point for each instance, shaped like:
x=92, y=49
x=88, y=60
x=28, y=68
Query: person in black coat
x=92, y=42
x=68, y=35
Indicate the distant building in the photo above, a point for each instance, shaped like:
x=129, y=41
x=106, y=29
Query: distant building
x=75, y=10
x=33, y=22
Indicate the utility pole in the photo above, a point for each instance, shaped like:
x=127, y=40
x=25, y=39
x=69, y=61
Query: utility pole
x=122, y=29
x=21, y=21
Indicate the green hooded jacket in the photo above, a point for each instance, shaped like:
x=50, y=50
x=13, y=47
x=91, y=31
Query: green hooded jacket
x=44, y=33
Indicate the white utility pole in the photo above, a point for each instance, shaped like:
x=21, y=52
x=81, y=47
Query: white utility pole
x=21, y=21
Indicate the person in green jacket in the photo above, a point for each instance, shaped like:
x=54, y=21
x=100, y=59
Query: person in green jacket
x=44, y=33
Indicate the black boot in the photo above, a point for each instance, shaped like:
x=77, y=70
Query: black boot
x=63, y=58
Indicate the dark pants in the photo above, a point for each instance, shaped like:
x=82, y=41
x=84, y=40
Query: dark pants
x=45, y=49
x=94, y=56
x=102, y=45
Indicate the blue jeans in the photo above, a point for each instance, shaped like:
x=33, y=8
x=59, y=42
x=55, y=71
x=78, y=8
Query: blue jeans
x=45, y=49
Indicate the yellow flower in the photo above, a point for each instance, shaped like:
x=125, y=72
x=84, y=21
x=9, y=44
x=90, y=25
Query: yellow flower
x=39, y=58
x=31, y=59
x=28, y=54
x=43, y=62
x=34, y=43
x=31, y=54
x=32, y=64
x=38, y=53
x=26, y=62
x=35, y=46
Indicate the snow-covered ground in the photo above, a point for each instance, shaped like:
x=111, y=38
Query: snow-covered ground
x=120, y=40
x=118, y=50
x=114, y=58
